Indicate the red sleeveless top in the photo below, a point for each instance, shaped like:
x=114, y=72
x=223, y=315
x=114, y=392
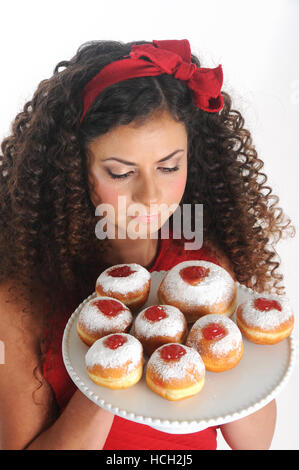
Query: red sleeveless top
x=125, y=434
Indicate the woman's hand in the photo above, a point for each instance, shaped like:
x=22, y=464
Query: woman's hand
x=254, y=432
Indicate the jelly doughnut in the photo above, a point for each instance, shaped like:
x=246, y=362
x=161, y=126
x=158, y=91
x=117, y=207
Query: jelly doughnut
x=175, y=371
x=129, y=283
x=159, y=324
x=199, y=288
x=115, y=361
x=265, y=319
x=218, y=340
x=102, y=316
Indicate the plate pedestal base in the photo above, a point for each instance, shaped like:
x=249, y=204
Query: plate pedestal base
x=181, y=430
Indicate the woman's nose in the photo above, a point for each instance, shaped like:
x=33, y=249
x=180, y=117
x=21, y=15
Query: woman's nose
x=147, y=192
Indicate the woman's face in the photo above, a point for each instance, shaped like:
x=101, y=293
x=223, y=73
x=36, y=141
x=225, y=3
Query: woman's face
x=150, y=168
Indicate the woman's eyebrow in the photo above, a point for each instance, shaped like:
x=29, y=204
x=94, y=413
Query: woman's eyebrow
x=135, y=164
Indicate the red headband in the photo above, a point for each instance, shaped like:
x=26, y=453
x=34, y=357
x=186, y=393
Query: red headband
x=170, y=56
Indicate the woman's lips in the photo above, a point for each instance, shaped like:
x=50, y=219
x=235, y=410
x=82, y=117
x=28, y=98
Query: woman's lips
x=146, y=219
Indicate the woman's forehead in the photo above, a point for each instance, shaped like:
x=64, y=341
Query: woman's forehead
x=160, y=136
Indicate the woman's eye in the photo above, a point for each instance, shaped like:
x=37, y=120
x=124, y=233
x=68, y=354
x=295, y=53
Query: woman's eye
x=169, y=170
x=126, y=175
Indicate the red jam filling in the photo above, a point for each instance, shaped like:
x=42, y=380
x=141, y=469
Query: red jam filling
x=213, y=331
x=264, y=304
x=172, y=352
x=115, y=341
x=110, y=308
x=122, y=271
x=155, y=313
x=194, y=274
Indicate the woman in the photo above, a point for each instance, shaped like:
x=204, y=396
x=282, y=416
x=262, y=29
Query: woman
x=86, y=139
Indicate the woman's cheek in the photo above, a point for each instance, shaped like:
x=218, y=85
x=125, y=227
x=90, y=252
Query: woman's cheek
x=105, y=193
x=109, y=195
x=116, y=202
x=178, y=187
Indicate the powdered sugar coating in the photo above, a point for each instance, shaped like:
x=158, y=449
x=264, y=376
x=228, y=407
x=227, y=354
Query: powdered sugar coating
x=266, y=320
x=126, y=284
x=99, y=354
x=232, y=340
x=173, y=324
x=179, y=369
x=94, y=320
x=216, y=287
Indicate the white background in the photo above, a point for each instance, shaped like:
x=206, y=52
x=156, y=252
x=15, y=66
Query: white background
x=255, y=41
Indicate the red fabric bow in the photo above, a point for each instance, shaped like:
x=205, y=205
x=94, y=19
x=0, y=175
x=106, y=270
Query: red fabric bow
x=169, y=56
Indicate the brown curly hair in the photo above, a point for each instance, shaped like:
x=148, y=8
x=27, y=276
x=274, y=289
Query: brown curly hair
x=47, y=219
